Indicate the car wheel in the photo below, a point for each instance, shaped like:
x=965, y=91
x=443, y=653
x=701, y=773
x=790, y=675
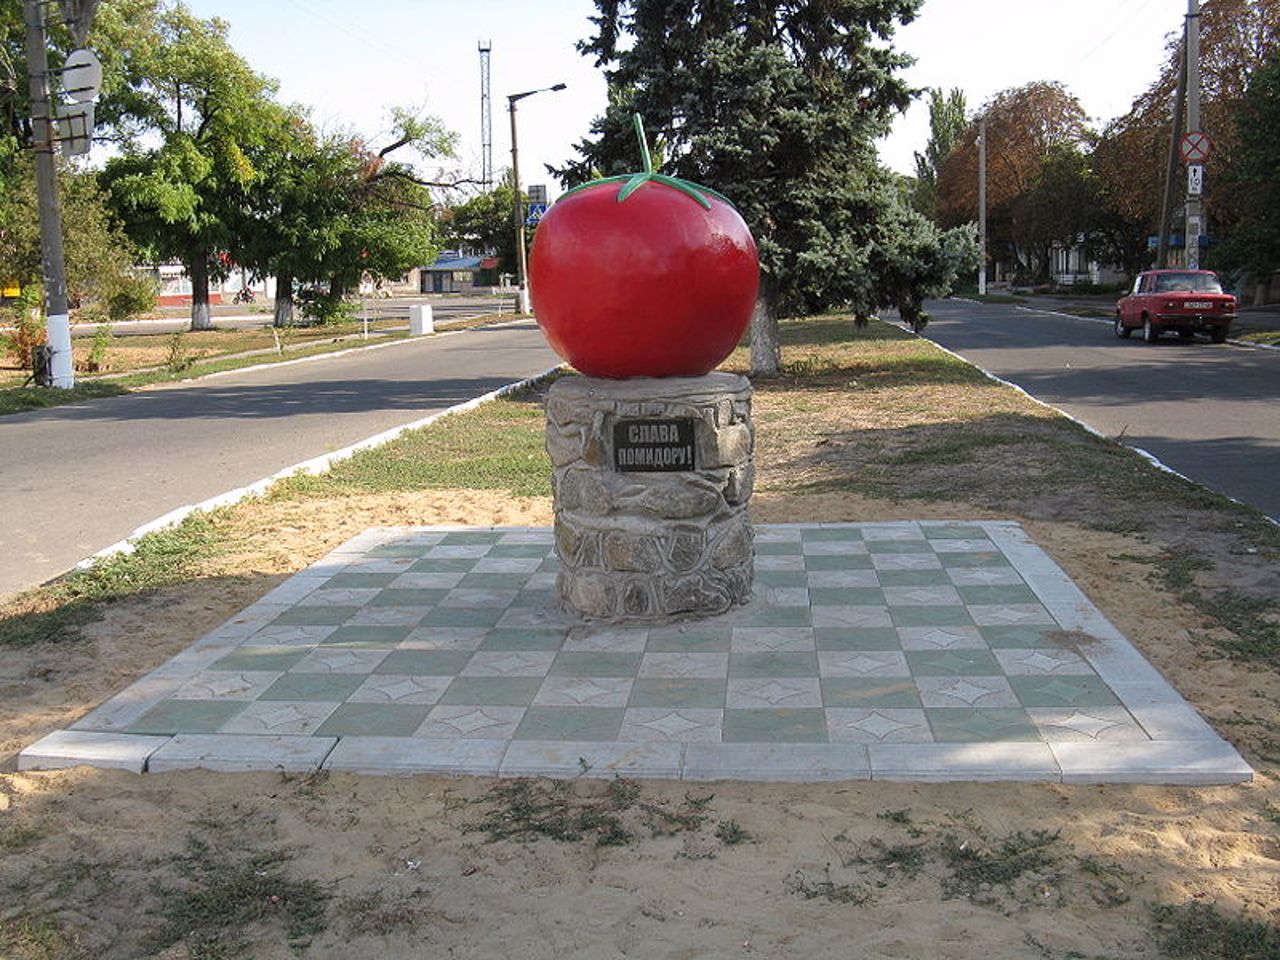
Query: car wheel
x=1121, y=330
x=1219, y=334
x=1149, y=333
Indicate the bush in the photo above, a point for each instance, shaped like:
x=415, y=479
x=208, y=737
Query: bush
x=131, y=295
x=28, y=333
x=320, y=307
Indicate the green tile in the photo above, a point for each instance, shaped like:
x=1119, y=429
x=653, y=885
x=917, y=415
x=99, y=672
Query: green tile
x=394, y=550
x=869, y=692
x=980, y=724
x=1062, y=691
x=519, y=550
x=404, y=597
x=471, y=538
x=677, y=692
x=689, y=639
x=782, y=617
x=519, y=638
x=424, y=663
x=845, y=561
x=314, y=686
x=463, y=616
x=846, y=596
x=913, y=578
x=930, y=616
x=953, y=663
x=750, y=665
x=954, y=532
x=1012, y=593
x=261, y=658
x=774, y=548
x=591, y=663
x=444, y=565
x=783, y=725
x=570, y=723
x=358, y=581
x=982, y=559
x=492, y=691
x=367, y=636
x=315, y=616
x=1023, y=636
x=832, y=533
x=857, y=638
x=187, y=716
x=781, y=578
x=898, y=546
x=373, y=720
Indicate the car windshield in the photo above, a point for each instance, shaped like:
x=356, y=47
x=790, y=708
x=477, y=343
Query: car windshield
x=1187, y=283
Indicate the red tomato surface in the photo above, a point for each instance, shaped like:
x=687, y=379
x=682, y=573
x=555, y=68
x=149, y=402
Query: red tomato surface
x=655, y=286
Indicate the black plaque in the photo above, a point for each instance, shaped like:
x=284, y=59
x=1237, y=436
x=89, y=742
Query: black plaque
x=653, y=445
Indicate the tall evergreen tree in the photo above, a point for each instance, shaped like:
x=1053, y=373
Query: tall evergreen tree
x=777, y=104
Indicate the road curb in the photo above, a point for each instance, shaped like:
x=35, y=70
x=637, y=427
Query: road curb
x=315, y=465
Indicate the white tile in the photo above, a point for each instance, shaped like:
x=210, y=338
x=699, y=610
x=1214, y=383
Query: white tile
x=776, y=762
x=1171, y=762
x=236, y=753
x=84, y=748
x=941, y=762
x=569, y=759
x=411, y=755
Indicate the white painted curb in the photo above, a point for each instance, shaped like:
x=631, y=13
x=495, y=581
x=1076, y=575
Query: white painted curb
x=313, y=466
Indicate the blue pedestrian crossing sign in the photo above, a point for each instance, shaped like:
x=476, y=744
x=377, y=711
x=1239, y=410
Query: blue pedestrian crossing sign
x=536, y=212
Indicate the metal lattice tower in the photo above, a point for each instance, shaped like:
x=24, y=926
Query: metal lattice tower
x=486, y=119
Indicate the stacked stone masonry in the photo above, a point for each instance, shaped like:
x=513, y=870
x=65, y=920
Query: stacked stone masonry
x=648, y=546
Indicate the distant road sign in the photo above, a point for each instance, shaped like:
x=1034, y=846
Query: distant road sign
x=1195, y=179
x=1195, y=147
x=536, y=212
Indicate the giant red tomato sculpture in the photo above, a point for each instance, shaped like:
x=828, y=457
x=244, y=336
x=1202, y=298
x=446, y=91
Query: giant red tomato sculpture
x=643, y=276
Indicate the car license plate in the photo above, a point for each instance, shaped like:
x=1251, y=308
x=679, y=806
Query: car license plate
x=1198, y=305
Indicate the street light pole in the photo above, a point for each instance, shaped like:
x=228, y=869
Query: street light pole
x=1195, y=221
x=982, y=205
x=522, y=291
x=43, y=145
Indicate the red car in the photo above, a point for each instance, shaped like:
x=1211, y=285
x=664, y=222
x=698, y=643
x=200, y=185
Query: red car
x=1183, y=300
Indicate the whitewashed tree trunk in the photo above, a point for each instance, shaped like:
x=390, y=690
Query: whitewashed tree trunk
x=284, y=301
x=766, y=351
x=200, y=317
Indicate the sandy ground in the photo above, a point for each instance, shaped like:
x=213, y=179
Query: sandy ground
x=92, y=859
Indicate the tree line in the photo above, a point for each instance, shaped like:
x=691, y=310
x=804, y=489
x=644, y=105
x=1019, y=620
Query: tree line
x=1054, y=180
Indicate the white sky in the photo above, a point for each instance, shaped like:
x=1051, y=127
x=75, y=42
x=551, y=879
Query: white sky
x=351, y=62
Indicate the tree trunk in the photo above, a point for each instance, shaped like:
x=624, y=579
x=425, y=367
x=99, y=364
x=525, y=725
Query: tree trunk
x=284, y=300
x=198, y=270
x=1262, y=291
x=766, y=351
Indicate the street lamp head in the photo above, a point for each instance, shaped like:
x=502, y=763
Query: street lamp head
x=513, y=97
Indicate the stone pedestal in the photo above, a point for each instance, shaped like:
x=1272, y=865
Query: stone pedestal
x=651, y=481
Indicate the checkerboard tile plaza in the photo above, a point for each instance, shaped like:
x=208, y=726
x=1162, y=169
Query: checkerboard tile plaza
x=906, y=650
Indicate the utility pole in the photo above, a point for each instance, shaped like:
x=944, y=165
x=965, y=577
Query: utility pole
x=982, y=205
x=43, y=145
x=1171, y=167
x=1195, y=220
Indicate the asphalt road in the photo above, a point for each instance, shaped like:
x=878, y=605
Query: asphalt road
x=78, y=478
x=1208, y=411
